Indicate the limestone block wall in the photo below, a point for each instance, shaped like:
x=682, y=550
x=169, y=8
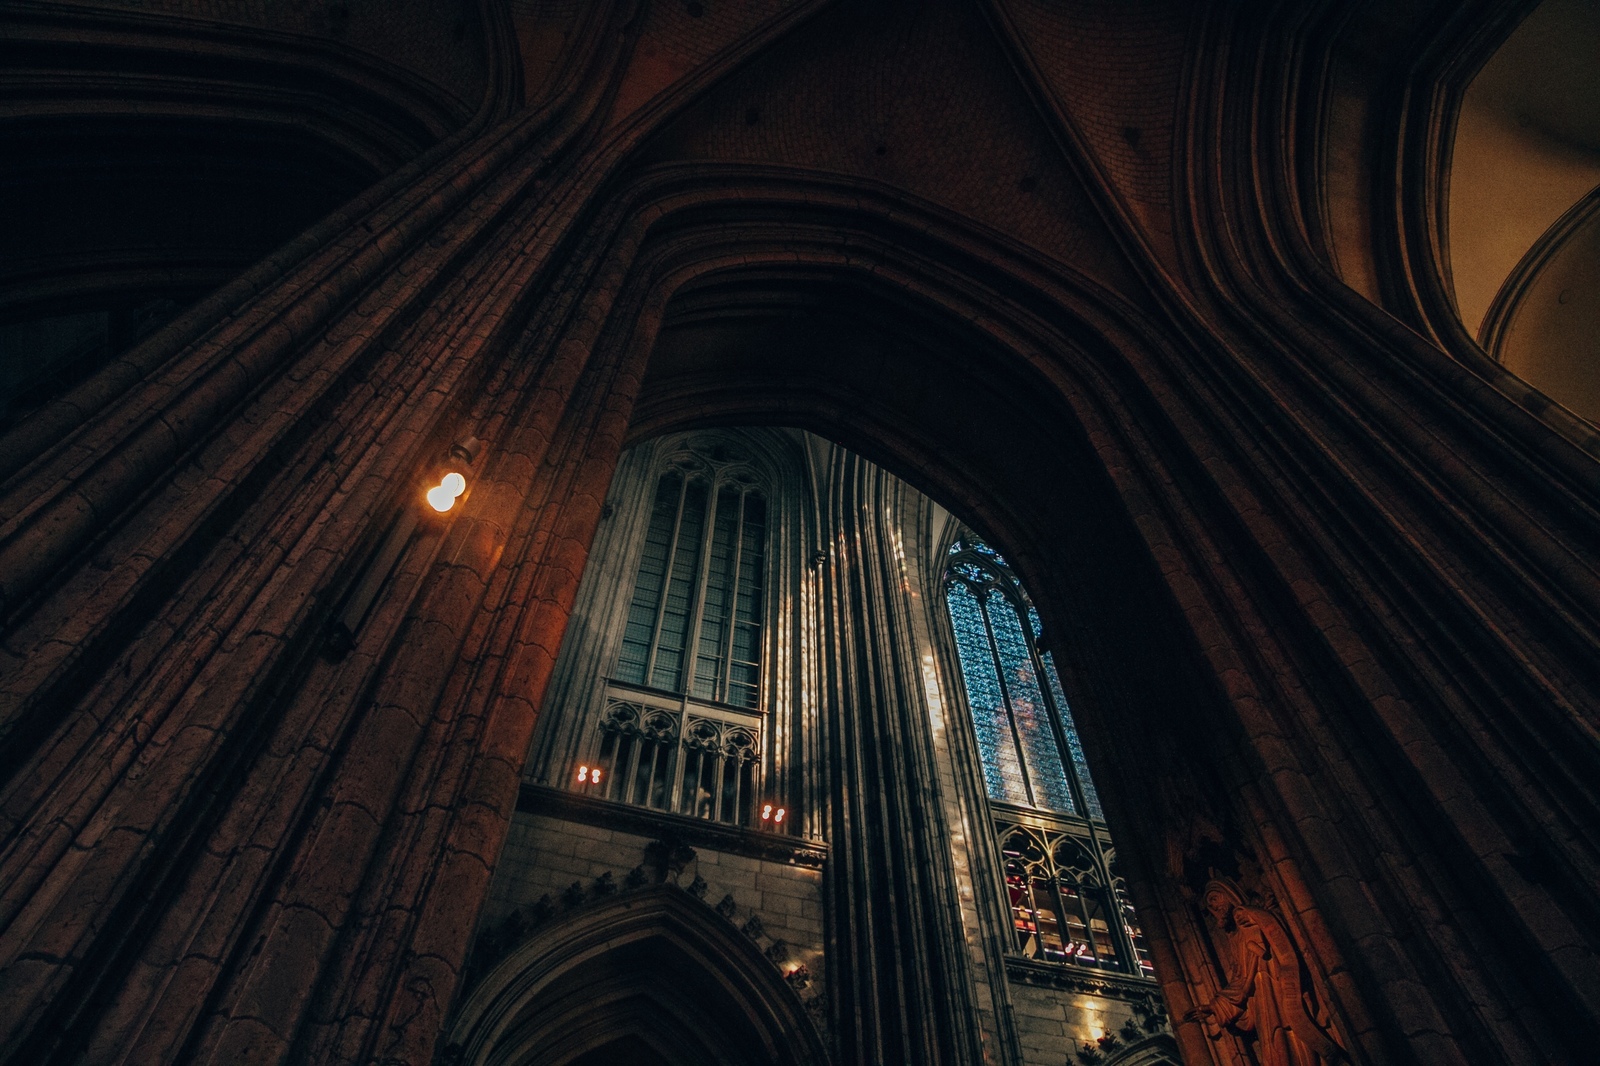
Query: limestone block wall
x=1051, y=1021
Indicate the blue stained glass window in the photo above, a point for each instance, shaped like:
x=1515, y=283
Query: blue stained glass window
x=1031, y=749
x=1050, y=788
x=1002, y=770
x=1055, y=882
x=1074, y=745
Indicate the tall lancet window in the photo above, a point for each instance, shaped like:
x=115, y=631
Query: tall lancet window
x=1067, y=904
x=679, y=731
x=699, y=586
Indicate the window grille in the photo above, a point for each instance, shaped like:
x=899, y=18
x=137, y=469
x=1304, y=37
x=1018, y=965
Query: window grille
x=1130, y=922
x=637, y=747
x=719, y=770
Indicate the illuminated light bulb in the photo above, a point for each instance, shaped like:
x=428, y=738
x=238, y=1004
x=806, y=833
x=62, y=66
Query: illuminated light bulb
x=779, y=816
x=583, y=773
x=766, y=812
x=594, y=778
x=454, y=484
x=441, y=499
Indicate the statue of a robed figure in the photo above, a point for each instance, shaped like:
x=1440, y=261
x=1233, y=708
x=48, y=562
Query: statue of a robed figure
x=1266, y=993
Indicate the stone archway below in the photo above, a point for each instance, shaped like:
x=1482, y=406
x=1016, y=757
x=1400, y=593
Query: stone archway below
x=652, y=977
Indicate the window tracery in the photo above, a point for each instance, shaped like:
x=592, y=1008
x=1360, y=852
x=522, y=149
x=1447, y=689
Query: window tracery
x=693, y=763
x=1067, y=903
x=681, y=730
x=700, y=586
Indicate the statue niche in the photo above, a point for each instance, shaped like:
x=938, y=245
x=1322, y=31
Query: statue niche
x=1267, y=994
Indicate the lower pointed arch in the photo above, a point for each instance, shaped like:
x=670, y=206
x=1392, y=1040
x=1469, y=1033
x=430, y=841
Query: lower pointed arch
x=651, y=977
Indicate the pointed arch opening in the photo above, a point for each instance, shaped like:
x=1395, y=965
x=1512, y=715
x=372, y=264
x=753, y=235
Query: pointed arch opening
x=1042, y=430
x=651, y=977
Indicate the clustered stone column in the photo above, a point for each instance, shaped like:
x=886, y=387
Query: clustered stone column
x=1326, y=588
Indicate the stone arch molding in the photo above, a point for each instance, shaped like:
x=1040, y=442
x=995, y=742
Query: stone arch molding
x=654, y=974
x=1157, y=1050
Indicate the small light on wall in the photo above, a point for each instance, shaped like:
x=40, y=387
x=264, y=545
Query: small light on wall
x=443, y=496
x=583, y=774
x=777, y=818
x=594, y=776
x=766, y=812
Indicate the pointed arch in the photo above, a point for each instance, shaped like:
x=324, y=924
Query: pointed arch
x=651, y=976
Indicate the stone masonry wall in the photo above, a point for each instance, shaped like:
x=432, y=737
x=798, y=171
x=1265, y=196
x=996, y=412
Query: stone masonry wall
x=546, y=855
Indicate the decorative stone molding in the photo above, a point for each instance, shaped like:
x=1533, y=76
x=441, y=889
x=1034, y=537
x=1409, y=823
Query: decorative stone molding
x=1079, y=979
x=716, y=836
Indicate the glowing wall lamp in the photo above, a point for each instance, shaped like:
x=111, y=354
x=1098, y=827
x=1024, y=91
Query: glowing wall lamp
x=452, y=484
x=441, y=497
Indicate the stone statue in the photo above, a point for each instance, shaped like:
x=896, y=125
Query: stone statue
x=1265, y=994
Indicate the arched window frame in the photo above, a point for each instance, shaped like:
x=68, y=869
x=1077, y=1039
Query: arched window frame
x=675, y=746
x=984, y=572
x=1052, y=907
